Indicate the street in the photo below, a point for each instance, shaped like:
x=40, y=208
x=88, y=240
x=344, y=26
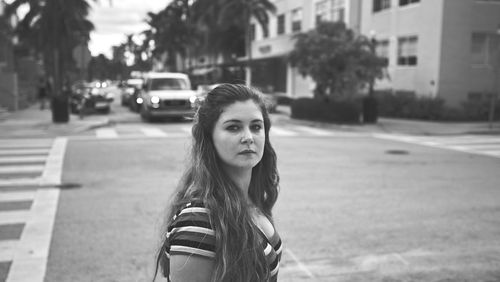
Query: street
x=354, y=206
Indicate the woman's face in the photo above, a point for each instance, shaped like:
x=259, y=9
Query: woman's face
x=239, y=135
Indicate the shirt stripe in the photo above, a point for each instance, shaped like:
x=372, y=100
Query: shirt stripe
x=191, y=233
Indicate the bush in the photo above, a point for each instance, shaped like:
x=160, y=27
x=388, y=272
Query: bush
x=284, y=100
x=405, y=104
x=345, y=111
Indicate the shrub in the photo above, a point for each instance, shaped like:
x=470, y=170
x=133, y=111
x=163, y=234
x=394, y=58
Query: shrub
x=284, y=100
x=344, y=111
x=405, y=104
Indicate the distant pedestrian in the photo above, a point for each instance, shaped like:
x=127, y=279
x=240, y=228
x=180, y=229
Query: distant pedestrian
x=219, y=224
x=42, y=92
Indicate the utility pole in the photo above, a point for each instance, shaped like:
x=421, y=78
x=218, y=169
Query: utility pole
x=496, y=77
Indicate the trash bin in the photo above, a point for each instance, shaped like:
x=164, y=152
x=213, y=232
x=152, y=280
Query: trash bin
x=60, y=109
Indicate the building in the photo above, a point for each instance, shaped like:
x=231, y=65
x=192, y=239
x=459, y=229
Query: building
x=270, y=69
x=436, y=48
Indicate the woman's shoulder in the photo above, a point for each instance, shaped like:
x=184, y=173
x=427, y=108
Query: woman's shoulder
x=190, y=231
x=193, y=211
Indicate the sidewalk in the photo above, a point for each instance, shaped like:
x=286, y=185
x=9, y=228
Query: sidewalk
x=399, y=126
x=33, y=122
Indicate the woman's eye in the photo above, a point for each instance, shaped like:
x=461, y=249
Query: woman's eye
x=256, y=127
x=232, y=128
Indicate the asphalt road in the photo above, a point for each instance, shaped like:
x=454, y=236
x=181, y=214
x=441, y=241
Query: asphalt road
x=351, y=208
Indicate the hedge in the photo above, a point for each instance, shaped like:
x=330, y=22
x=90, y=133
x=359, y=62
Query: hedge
x=346, y=111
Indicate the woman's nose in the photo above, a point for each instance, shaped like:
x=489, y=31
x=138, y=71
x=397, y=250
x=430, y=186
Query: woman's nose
x=247, y=137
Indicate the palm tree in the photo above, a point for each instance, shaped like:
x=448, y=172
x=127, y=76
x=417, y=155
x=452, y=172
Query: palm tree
x=53, y=28
x=238, y=13
x=172, y=30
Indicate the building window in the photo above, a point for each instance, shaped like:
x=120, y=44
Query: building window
x=265, y=31
x=322, y=11
x=407, y=2
x=296, y=20
x=379, y=5
x=484, y=48
x=407, y=51
x=382, y=49
x=338, y=10
x=281, y=24
x=252, y=32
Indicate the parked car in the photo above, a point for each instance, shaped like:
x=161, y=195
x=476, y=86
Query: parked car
x=167, y=94
x=95, y=95
x=128, y=88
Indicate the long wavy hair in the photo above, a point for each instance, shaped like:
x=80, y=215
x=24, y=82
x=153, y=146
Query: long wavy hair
x=239, y=255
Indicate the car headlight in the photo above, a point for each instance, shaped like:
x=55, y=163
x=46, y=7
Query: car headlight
x=155, y=99
x=139, y=100
x=193, y=99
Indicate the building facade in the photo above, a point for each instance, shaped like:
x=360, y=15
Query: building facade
x=436, y=48
x=271, y=71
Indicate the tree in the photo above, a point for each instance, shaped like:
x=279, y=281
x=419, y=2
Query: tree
x=54, y=28
x=172, y=31
x=336, y=59
x=238, y=14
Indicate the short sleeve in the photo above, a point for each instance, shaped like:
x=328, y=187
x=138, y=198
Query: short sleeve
x=191, y=233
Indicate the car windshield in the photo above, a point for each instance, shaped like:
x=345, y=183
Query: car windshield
x=169, y=84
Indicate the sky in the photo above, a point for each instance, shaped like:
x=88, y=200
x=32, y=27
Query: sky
x=113, y=20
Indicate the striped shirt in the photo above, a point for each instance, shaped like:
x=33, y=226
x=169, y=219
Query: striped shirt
x=191, y=233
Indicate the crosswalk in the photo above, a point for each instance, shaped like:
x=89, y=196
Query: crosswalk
x=29, y=171
x=185, y=131
x=488, y=145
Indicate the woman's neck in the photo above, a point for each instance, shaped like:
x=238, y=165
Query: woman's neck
x=241, y=177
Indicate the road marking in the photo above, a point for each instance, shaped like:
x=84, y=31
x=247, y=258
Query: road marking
x=299, y=264
x=24, y=152
x=153, y=132
x=187, y=129
x=16, y=196
x=473, y=144
x=19, y=169
x=313, y=131
x=30, y=254
x=53, y=167
x=7, y=248
x=11, y=217
x=30, y=260
x=20, y=182
x=282, y=132
x=106, y=133
x=25, y=159
x=22, y=143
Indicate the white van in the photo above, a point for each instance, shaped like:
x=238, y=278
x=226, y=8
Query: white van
x=167, y=94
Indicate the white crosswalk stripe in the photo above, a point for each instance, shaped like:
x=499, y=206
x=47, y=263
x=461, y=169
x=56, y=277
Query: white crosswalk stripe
x=476, y=144
x=184, y=131
x=21, y=152
x=153, y=132
x=106, y=133
x=28, y=254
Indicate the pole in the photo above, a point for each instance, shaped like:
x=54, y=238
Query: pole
x=496, y=77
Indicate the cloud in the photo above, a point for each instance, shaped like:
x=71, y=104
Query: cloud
x=113, y=23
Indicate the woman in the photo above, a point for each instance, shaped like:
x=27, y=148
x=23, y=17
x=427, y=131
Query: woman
x=219, y=226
